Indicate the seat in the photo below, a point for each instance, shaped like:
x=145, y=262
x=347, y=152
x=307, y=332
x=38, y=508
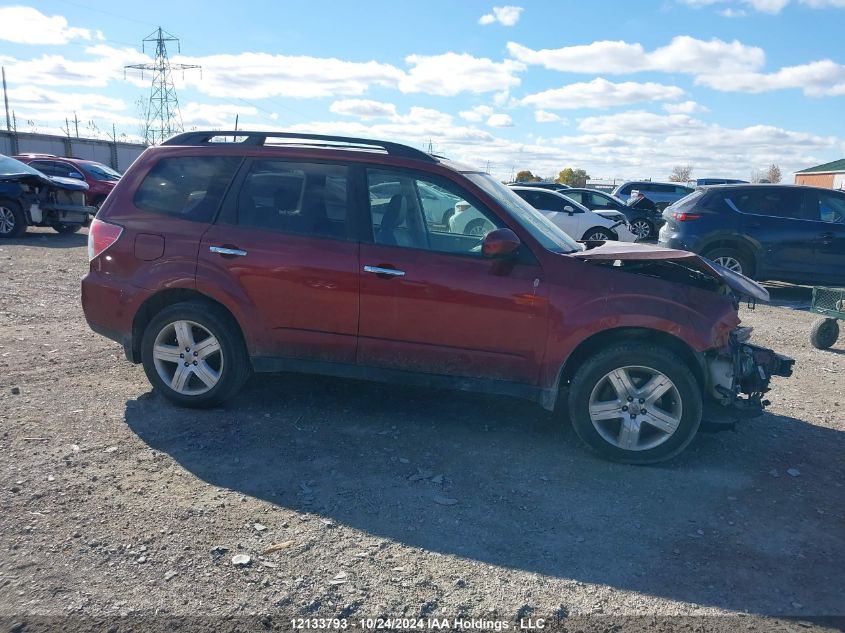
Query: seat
x=390, y=221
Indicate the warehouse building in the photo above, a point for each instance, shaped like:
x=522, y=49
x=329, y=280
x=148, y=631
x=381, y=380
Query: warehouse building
x=830, y=175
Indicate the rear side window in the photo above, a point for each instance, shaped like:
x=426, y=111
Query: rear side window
x=187, y=187
x=626, y=190
x=773, y=202
x=686, y=204
x=301, y=198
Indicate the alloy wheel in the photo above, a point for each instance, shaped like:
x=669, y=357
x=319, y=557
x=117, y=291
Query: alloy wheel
x=188, y=358
x=730, y=263
x=7, y=221
x=635, y=408
x=641, y=228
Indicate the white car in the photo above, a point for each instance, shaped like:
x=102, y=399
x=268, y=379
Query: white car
x=576, y=220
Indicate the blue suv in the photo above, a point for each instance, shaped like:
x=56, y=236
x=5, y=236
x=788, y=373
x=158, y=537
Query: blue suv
x=662, y=194
x=791, y=233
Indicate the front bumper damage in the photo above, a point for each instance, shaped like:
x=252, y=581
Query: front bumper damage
x=738, y=377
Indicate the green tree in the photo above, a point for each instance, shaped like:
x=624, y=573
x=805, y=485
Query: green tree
x=526, y=176
x=573, y=177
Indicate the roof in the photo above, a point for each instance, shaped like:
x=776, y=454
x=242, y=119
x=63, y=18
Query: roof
x=837, y=165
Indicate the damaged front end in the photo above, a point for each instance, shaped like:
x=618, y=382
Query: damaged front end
x=737, y=373
x=738, y=376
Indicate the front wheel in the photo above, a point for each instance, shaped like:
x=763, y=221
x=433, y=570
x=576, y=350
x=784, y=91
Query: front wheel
x=824, y=333
x=597, y=235
x=12, y=219
x=478, y=228
x=642, y=228
x=194, y=354
x=635, y=403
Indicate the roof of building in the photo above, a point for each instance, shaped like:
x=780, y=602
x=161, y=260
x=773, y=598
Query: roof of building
x=837, y=165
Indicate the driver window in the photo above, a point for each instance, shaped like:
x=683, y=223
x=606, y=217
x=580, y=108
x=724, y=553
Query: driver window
x=417, y=212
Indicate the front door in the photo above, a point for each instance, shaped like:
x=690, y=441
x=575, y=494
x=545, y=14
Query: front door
x=430, y=302
x=553, y=207
x=285, y=249
x=826, y=210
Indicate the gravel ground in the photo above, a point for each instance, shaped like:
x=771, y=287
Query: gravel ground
x=391, y=501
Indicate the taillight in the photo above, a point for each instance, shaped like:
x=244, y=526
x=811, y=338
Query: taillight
x=680, y=216
x=101, y=235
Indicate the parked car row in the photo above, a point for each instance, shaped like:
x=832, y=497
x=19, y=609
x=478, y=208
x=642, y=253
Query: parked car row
x=100, y=178
x=29, y=198
x=326, y=255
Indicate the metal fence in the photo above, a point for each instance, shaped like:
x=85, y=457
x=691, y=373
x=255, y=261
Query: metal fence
x=116, y=155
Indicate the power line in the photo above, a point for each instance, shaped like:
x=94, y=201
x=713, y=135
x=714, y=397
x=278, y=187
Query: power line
x=162, y=115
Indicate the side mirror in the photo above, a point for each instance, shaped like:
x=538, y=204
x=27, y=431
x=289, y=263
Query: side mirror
x=500, y=243
x=569, y=209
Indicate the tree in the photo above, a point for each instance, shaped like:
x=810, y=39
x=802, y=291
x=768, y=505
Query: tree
x=772, y=174
x=681, y=173
x=573, y=177
x=526, y=176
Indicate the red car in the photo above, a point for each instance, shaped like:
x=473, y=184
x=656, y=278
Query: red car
x=101, y=178
x=215, y=258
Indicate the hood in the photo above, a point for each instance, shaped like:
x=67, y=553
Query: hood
x=68, y=183
x=625, y=251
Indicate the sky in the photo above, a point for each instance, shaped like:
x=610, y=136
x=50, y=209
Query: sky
x=622, y=89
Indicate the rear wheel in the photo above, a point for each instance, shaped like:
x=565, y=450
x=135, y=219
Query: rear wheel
x=635, y=403
x=732, y=259
x=479, y=228
x=193, y=353
x=66, y=229
x=824, y=333
x=12, y=219
x=597, y=234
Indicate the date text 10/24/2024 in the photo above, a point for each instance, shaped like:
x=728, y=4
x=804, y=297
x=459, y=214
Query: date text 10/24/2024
x=418, y=624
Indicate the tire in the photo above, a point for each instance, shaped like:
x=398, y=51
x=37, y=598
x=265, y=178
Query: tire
x=66, y=229
x=732, y=259
x=476, y=227
x=824, y=333
x=649, y=439
x=448, y=216
x=642, y=228
x=12, y=220
x=598, y=233
x=220, y=372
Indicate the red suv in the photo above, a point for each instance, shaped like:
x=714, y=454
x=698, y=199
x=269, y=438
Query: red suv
x=223, y=253
x=101, y=178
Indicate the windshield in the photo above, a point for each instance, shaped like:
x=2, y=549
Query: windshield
x=101, y=172
x=12, y=167
x=547, y=234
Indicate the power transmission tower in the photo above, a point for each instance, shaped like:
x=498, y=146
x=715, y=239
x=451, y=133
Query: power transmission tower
x=162, y=116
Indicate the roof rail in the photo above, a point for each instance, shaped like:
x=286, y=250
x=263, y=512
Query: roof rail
x=260, y=139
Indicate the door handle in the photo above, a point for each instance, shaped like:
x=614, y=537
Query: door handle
x=388, y=272
x=826, y=238
x=227, y=251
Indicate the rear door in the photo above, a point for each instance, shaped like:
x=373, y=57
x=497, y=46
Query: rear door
x=430, y=302
x=774, y=218
x=284, y=249
x=826, y=210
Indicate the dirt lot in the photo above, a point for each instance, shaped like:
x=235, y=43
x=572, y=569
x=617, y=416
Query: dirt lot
x=390, y=501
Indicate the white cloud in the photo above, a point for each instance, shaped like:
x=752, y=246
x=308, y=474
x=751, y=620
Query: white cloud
x=685, y=107
x=262, y=75
x=363, y=108
x=451, y=73
x=824, y=4
x=772, y=7
x=684, y=54
x=214, y=115
x=35, y=97
x=601, y=93
x=104, y=64
x=500, y=120
x=816, y=79
x=25, y=25
x=541, y=116
x=506, y=16
x=476, y=114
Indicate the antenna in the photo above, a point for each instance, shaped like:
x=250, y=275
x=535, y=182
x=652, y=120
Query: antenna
x=162, y=116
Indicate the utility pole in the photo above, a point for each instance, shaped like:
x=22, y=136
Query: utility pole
x=6, y=101
x=163, y=116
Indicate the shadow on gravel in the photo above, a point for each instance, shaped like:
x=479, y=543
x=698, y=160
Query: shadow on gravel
x=49, y=239
x=714, y=527
x=785, y=295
